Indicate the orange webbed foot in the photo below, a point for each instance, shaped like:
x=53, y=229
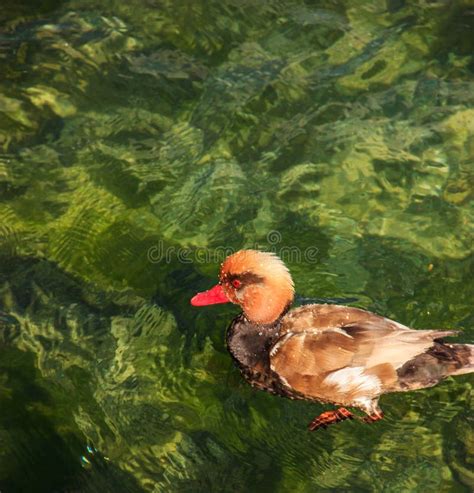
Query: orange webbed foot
x=330, y=417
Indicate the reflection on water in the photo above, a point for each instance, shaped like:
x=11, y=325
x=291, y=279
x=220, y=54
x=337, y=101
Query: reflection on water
x=347, y=128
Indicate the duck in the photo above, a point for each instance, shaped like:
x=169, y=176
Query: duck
x=326, y=353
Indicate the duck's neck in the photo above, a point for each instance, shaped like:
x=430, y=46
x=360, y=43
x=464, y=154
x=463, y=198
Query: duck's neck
x=250, y=343
x=266, y=302
x=266, y=314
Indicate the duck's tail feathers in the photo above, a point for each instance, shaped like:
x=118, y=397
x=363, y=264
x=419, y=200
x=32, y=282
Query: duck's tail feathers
x=465, y=356
x=440, y=361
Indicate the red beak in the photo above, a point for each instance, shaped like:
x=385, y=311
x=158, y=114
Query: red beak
x=212, y=296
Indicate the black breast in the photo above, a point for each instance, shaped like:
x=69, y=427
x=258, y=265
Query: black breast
x=250, y=345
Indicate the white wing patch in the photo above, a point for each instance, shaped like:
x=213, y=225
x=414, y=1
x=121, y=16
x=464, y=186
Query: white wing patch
x=354, y=379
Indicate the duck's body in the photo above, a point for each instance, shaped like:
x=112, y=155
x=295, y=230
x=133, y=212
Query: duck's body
x=341, y=355
x=326, y=353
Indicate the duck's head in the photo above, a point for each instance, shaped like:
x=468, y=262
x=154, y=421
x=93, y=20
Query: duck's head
x=257, y=281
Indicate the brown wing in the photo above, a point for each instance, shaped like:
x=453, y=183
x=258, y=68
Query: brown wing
x=322, y=317
x=381, y=345
x=349, y=363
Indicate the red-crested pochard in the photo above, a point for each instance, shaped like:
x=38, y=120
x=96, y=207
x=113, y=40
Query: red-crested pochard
x=326, y=353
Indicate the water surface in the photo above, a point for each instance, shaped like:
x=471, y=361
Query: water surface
x=138, y=140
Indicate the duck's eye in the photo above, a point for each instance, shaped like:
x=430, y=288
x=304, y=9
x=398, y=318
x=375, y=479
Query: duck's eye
x=236, y=283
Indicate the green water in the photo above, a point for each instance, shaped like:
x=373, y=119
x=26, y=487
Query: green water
x=138, y=140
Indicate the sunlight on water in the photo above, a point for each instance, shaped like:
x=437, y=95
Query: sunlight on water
x=139, y=141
